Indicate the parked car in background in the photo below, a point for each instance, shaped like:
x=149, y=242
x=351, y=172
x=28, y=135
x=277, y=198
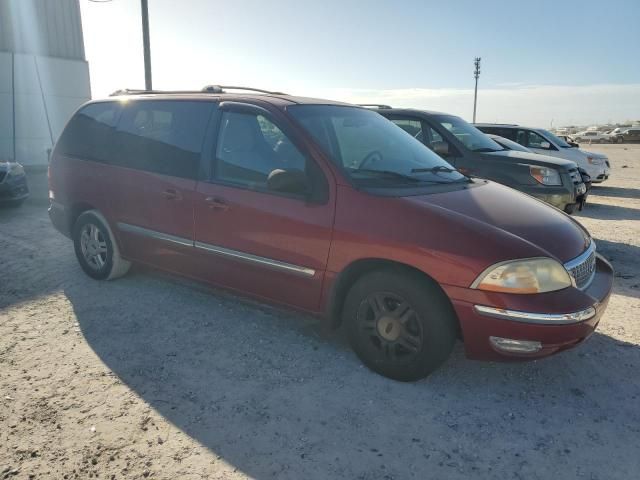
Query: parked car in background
x=13, y=184
x=627, y=135
x=331, y=209
x=552, y=180
x=511, y=145
x=542, y=141
x=592, y=136
x=569, y=139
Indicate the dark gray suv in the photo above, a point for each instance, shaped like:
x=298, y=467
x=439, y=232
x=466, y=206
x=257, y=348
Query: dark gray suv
x=553, y=180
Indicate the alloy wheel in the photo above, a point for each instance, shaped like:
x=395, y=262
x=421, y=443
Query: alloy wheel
x=94, y=246
x=391, y=326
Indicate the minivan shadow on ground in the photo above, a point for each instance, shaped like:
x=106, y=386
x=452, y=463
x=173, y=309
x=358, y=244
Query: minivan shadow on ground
x=625, y=259
x=267, y=392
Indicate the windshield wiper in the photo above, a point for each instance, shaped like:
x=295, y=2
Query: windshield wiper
x=439, y=168
x=388, y=173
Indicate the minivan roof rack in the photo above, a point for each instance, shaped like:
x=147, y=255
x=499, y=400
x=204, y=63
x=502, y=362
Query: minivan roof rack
x=215, y=89
x=374, y=105
x=499, y=124
x=222, y=88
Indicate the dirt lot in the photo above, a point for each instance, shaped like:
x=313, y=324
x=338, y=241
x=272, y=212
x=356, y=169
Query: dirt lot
x=152, y=376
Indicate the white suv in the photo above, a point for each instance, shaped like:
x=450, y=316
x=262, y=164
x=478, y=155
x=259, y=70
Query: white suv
x=592, y=136
x=543, y=141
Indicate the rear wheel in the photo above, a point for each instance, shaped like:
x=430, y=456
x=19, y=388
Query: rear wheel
x=570, y=208
x=620, y=139
x=399, y=324
x=96, y=247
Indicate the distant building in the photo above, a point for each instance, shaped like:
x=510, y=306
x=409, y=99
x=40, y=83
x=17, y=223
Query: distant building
x=44, y=76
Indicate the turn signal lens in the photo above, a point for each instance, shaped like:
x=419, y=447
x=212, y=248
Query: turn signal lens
x=535, y=275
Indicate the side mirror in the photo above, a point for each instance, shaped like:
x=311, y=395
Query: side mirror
x=441, y=148
x=545, y=145
x=288, y=181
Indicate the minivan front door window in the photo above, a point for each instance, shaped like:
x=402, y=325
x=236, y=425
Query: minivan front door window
x=251, y=148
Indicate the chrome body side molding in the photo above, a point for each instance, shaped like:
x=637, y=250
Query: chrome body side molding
x=226, y=252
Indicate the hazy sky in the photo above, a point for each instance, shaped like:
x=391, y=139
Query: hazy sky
x=570, y=62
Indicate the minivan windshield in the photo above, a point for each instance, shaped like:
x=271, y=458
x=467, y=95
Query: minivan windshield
x=470, y=136
x=371, y=149
x=553, y=139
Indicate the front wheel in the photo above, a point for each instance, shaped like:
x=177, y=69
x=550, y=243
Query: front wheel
x=400, y=324
x=96, y=247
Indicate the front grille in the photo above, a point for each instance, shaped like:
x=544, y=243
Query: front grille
x=2, y=175
x=583, y=268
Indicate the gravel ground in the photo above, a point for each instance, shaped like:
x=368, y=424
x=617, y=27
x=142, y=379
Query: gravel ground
x=155, y=377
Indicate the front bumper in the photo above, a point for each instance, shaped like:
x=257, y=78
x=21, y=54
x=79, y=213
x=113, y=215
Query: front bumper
x=599, y=173
x=480, y=330
x=13, y=189
x=559, y=196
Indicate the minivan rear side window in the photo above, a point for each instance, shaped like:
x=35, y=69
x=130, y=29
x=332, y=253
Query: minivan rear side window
x=162, y=136
x=88, y=133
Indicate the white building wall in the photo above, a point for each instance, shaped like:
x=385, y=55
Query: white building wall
x=6, y=108
x=47, y=92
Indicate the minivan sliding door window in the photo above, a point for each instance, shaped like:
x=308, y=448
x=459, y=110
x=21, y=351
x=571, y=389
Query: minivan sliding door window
x=163, y=137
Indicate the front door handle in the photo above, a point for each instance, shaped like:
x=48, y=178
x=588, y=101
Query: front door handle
x=171, y=194
x=216, y=203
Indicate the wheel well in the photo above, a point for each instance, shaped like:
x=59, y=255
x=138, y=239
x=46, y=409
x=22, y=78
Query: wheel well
x=76, y=210
x=356, y=270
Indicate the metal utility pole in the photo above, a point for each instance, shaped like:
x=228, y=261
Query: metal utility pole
x=146, y=45
x=476, y=74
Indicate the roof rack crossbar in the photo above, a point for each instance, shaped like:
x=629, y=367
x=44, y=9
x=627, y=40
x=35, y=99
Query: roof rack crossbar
x=374, y=105
x=214, y=89
x=222, y=88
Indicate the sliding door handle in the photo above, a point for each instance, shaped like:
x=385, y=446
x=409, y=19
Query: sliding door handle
x=216, y=203
x=171, y=194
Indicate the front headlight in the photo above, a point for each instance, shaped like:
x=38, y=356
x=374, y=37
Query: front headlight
x=545, y=175
x=15, y=170
x=595, y=161
x=532, y=275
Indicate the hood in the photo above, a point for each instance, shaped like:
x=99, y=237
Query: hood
x=591, y=154
x=580, y=154
x=524, y=225
x=534, y=159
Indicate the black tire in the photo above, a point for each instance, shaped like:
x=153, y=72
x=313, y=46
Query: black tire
x=570, y=208
x=98, y=256
x=620, y=140
x=432, y=322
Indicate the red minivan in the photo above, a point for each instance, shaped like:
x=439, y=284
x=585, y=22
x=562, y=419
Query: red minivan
x=331, y=209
